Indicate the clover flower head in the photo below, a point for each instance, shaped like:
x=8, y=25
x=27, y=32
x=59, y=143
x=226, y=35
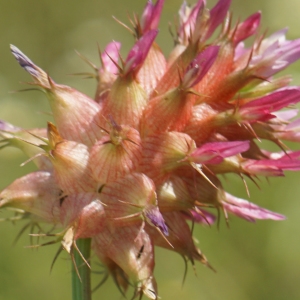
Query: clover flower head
x=133, y=166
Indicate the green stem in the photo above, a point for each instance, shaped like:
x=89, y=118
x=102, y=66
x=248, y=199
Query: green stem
x=81, y=289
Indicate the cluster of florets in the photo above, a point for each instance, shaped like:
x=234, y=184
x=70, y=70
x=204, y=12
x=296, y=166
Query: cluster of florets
x=131, y=167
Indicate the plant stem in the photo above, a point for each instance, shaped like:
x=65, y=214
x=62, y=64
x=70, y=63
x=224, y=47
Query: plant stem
x=81, y=289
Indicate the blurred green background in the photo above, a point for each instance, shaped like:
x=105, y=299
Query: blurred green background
x=253, y=261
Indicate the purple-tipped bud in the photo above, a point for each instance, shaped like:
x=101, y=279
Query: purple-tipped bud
x=36, y=72
x=73, y=112
x=155, y=218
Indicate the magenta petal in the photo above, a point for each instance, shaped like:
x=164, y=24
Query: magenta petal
x=231, y=148
x=261, y=109
x=201, y=216
x=200, y=66
x=247, y=28
x=217, y=15
x=151, y=15
x=277, y=100
x=213, y=153
x=139, y=51
x=269, y=167
x=147, y=15
x=249, y=211
x=286, y=163
x=188, y=19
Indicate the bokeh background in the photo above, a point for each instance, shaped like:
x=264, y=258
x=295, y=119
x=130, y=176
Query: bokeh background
x=253, y=261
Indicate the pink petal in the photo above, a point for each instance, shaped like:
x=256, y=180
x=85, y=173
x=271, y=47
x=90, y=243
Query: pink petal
x=295, y=125
x=286, y=115
x=200, y=66
x=269, y=167
x=249, y=211
x=283, y=155
x=217, y=15
x=201, y=216
x=188, y=19
x=139, y=51
x=290, y=51
x=261, y=108
x=110, y=54
x=277, y=100
x=151, y=15
x=247, y=28
x=275, y=54
x=214, y=153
